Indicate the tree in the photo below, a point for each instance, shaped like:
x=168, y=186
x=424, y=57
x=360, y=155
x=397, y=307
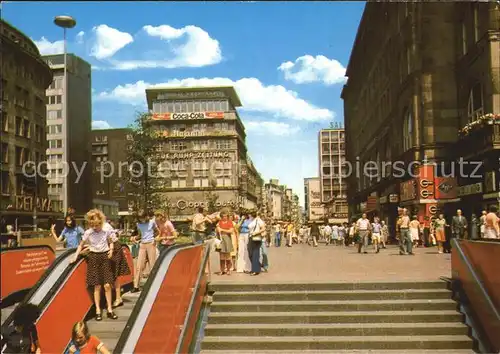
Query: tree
x=211, y=199
x=143, y=161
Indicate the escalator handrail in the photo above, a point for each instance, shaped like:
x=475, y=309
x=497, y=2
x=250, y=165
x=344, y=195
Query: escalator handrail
x=38, y=284
x=477, y=280
x=122, y=341
x=206, y=253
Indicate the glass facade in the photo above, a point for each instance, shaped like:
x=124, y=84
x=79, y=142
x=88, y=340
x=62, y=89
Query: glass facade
x=178, y=106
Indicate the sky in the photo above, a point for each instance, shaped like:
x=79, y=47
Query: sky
x=286, y=60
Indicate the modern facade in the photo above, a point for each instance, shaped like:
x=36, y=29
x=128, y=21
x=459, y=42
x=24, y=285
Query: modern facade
x=413, y=85
x=111, y=190
x=68, y=134
x=333, y=173
x=25, y=76
x=314, y=207
x=274, y=199
x=202, y=153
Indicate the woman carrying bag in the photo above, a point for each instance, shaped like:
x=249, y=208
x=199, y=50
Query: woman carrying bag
x=257, y=228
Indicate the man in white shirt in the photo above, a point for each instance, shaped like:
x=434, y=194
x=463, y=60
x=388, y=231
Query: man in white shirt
x=199, y=226
x=327, y=232
x=363, y=227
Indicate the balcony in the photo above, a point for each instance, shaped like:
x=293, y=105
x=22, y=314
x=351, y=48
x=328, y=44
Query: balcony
x=480, y=136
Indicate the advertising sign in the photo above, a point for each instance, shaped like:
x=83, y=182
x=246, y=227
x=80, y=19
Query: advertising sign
x=193, y=155
x=426, y=182
x=445, y=187
x=187, y=116
x=408, y=190
x=22, y=267
x=469, y=189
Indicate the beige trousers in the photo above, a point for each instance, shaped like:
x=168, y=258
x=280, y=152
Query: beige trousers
x=146, y=251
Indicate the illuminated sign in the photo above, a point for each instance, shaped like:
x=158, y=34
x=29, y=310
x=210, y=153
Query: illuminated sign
x=26, y=204
x=193, y=155
x=182, y=204
x=469, y=189
x=187, y=116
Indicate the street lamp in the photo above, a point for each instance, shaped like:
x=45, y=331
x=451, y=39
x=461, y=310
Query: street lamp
x=66, y=22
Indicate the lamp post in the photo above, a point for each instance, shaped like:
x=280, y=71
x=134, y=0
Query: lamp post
x=65, y=22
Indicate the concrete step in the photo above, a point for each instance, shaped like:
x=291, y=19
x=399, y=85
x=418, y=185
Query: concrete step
x=335, y=317
x=335, y=343
x=322, y=286
x=340, y=329
x=330, y=306
x=396, y=351
x=412, y=294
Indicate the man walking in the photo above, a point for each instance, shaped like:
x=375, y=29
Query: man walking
x=363, y=227
x=199, y=226
x=458, y=225
x=405, y=242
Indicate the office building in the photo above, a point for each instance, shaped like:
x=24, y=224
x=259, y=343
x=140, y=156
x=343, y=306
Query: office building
x=332, y=173
x=68, y=134
x=202, y=150
x=25, y=76
x=419, y=89
x=111, y=190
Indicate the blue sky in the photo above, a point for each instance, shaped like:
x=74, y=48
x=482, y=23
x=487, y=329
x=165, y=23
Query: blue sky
x=286, y=59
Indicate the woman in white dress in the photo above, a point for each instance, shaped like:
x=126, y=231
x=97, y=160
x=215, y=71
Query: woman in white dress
x=243, y=264
x=415, y=230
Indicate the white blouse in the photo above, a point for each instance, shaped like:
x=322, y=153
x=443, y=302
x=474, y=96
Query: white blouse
x=98, y=240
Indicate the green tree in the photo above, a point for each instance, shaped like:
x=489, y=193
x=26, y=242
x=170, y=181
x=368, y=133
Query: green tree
x=211, y=199
x=143, y=161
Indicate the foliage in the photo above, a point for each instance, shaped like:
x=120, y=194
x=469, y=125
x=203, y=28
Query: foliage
x=211, y=199
x=142, y=162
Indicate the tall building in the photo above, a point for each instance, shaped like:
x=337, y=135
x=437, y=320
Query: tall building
x=25, y=76
x=69, y=135
x=314, y=207
x=428, y=74
x=332, y=173
x=203, y=151
x=274, y=198
x=111, y=190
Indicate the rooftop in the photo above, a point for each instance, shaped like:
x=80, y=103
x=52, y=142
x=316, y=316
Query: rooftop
x=190, y=93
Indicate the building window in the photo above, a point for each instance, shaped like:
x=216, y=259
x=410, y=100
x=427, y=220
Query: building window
x=200, y=145
x=5, y=153
x=22, y=155
x=38, y=133
x=57, y=99
x=55, y=129
x=465, y=45
x=178, y=145
x=5, y=122
x=19, y=126
x=200, y=182
x=56, y=84
x=476, y=23
x=55, y=158
x=5, y=181
x=408, y=130
x=475, y=105
x=55, y=144
x=223, y=144
x=54, y=114
x=178, y=183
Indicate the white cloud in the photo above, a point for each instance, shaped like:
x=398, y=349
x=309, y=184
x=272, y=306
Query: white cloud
x=273, y=128
x=79, y=37
x=100, y=124
x=48, y=48
x=255, y=97
x=197, y=49
x=108, y=41
x=307, y=69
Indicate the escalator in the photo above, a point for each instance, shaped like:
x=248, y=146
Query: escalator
x=169, y=290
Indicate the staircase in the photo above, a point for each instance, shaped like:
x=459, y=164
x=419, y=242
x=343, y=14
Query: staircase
x=411, y=317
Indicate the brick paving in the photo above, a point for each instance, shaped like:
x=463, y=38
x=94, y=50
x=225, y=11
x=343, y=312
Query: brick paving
x=302, y=263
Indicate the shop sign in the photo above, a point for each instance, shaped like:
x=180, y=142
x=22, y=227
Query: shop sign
x=383, y=200
x=190, y=95
x=408, y=190
x=316, y=205
x=469, y=189
x=446, y=187
x=432, y=209
x=26, y=204
x=490, y=184
x=393, y=198
x=371, y=203
x=193, y=155
x=340, y=215
x=188, y=116
x=182, y=204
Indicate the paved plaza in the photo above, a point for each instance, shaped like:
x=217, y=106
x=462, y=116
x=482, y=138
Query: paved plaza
x=302, y=263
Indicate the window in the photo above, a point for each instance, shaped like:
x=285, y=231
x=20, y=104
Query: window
x=408, y=130
x=200, y=145
x=465, y=45
x=55, y=129
x=57, y=99
x=5, y=122
x=26, y=128
x=476, y=23
x=22, y=155
x=178, y=183
x=200, y=182
x=19, y=126
x=178, y=169
x=5, y=153
x=56, y=84
x=55, y=158
x=223, y=144
x=475, y=105
x=5, y=181
x=178, y=145
x=57, y=114
x=38, y=133
x=55, y=144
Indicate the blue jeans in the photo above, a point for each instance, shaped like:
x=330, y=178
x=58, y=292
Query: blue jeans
x=277, y=239
x=263, y=253
x=405, y=242
x=255, y=251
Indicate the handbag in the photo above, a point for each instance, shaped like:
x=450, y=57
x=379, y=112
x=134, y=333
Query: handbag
x=256, y=237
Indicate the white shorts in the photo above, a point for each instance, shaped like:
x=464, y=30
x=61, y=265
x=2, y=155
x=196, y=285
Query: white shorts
x=376, y=237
